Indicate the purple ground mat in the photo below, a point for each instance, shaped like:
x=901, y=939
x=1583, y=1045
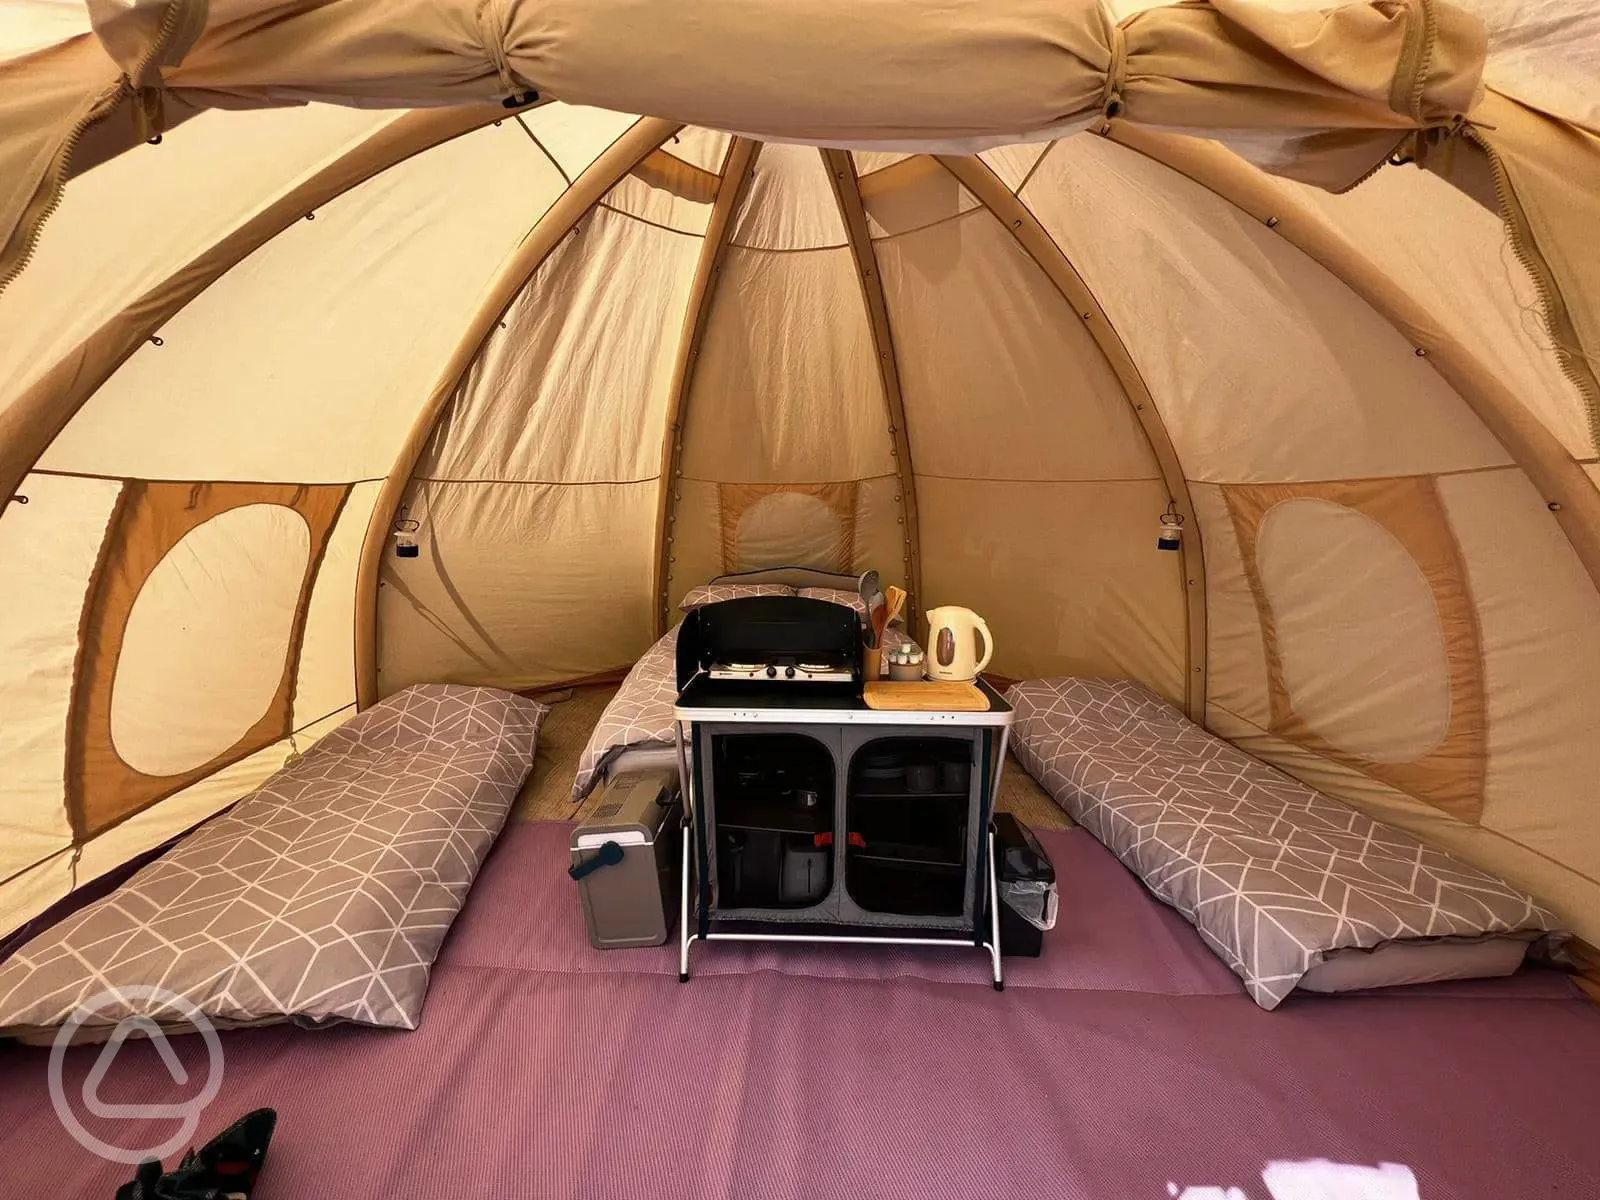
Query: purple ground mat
x=1125, y=1063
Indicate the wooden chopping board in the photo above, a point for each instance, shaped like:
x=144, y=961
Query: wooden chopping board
x=932, y=695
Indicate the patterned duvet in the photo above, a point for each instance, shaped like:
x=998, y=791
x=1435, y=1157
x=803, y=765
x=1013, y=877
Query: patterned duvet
x=1274, y=875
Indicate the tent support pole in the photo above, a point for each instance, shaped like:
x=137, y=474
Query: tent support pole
x=1567, y=489
x=641, y=140
x=736, y=169
x=847, y=189
x=32, y=422
x=976, y=176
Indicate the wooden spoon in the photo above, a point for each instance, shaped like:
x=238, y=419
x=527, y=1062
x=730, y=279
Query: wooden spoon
x=897, y=602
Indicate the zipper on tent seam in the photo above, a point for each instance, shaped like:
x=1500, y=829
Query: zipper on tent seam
x=55, y=183
x=56, y=176
x=1415, y=55
x=1419, y=77
x=1552, y=306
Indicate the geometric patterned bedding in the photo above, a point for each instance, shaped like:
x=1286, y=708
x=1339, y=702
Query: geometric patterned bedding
x=322, y=896
x=1274, y=875
x=639, y=715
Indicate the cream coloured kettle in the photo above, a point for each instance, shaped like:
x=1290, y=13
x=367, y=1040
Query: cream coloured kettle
x=953, y=644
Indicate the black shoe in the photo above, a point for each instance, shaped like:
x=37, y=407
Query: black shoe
x=225, y=1168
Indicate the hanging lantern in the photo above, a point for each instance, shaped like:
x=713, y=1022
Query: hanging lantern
x=405, y=537
x=1171, y=535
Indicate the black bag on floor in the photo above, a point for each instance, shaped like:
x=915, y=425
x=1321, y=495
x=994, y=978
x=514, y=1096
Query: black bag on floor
x=1027, y=887
x=225, y=1167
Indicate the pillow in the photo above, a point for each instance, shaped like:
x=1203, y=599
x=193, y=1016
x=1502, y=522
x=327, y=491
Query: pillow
x=711, y=593
x=837, y=596
x=323, y=896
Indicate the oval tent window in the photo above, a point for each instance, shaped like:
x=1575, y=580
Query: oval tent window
x=1358, y=630
x=207, y=637
x=791, y=528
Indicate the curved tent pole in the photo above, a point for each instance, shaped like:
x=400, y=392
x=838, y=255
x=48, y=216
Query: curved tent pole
x=847, y=189
x=736, y=170
x=1567, y=489
x=32, y=422
x=990, y=190
x=642, y=139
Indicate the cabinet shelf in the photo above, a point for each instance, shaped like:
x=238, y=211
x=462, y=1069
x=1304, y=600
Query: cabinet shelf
x=905, y=794
x=918, y=857
x=773, y=822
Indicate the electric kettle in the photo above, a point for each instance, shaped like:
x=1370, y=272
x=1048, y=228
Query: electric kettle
x=953, y=636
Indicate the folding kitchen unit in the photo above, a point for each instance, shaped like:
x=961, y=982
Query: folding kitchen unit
x=812, y=817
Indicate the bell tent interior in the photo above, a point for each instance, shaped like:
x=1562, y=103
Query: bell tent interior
x=404, y=355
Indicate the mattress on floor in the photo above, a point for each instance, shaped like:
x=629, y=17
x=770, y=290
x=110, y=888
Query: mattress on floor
x=1278, y=878
x=321, y=897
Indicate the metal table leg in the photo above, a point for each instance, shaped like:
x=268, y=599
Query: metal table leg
x=685, y=785
x=683, y=913
x=994, y=918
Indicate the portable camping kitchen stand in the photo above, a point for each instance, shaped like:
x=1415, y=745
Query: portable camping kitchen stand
x=801, y=829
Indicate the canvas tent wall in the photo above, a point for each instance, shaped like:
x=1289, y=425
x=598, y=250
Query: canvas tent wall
x=600, y=358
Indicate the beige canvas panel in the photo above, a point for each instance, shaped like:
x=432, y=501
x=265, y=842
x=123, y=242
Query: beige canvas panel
x=1235, y=654
x=1000, y=378
x=29, y=25
x=125, y=226
x=201, y=800
x=695, y=555
x=27, y=895
x=1575, y=505
x=667, y=191
x=325, y=681
x=49, y=547
x=1540, y=618
x=585, y=353
x=641, y=140
x=1454, y=256
x=253, y=382
x=1015, y=164
x=787, y=387
x=868, y=161
x=574, y=135
x=788, y=204
x=1573, y=893
x=1546, y=54
x=153, y=521
x=1547, y=179
x=1318, y=654
x=1265, y=367
x=1067, y=575
x=703, y=148
x=518, y=584
x=912, y=195
x=881, y=532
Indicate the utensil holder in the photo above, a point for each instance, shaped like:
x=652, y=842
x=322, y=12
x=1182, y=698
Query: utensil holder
x=872, y=663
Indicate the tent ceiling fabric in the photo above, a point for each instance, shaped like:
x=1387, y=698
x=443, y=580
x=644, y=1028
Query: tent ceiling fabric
x=599, y=359
x=772, y=68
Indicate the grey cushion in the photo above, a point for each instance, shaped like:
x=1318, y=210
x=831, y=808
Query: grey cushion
x=322, y=896
x=1275, y=875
